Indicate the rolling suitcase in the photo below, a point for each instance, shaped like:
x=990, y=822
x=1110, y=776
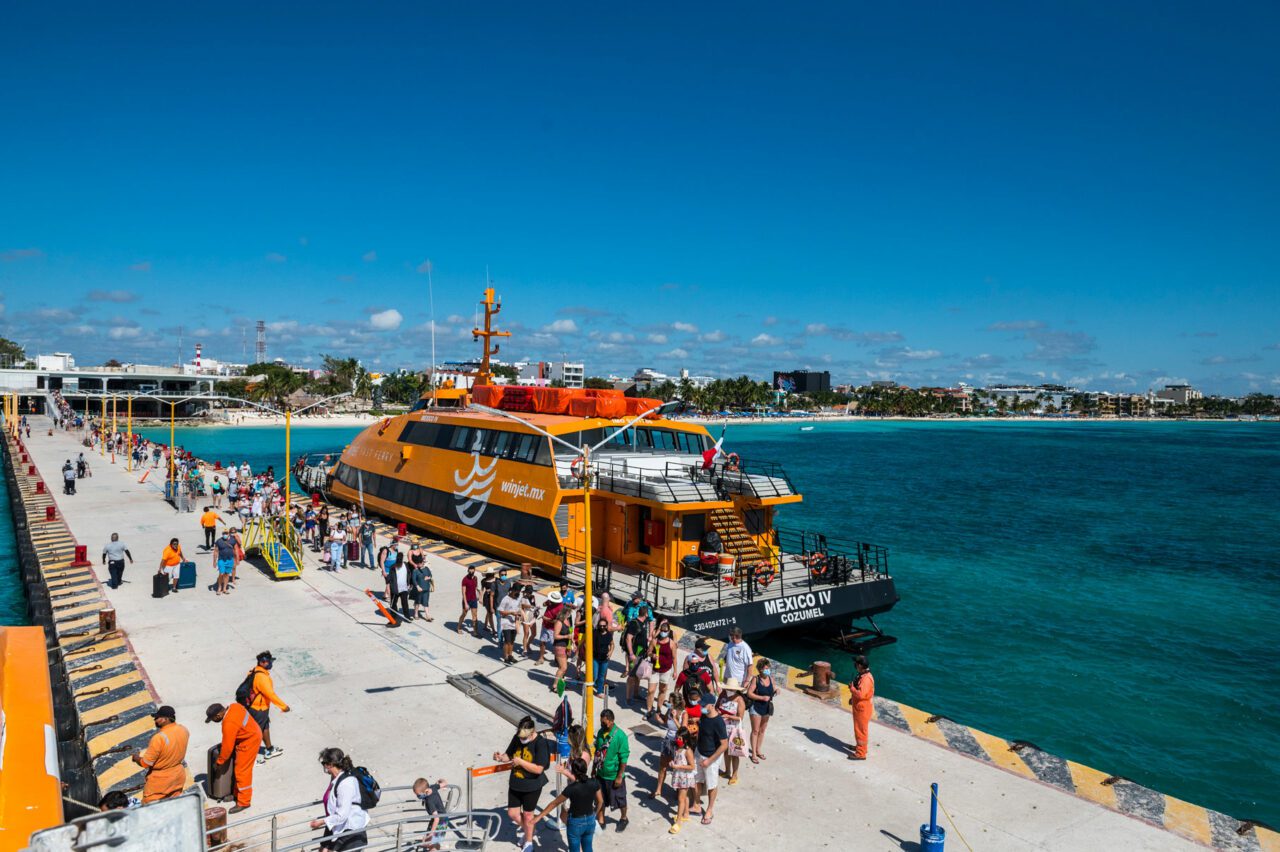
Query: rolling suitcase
x=187, y=575
x=353, y=551
x=159, y=585
x=221, y=778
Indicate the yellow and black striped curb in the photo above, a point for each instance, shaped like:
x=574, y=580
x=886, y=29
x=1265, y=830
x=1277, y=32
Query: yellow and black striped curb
x=1193, y=822
x=109, y=687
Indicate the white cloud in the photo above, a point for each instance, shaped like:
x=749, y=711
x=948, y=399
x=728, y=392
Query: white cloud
x=713, y=336
x=770, y=320
x=763, y=339
x=20, y=254
x=621, y=337
x=124, y=332
x=276, y=257
x=118, y=296
x=143, y=266
x=424, y=267
x=920, y=354
x=657, y=338
x=369, y=256
x=676, y=353
x=456, y=319
x=561, y=326
x=686, y=327
x=388, y=320
x=282, y=325
x=816, y=328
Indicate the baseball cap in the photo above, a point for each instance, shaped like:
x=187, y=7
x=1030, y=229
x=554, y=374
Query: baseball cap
x=166, y=711
x=213, y=710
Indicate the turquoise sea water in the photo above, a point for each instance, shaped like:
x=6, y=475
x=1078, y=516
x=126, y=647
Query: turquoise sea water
x=13, y=602
x=1108, y=591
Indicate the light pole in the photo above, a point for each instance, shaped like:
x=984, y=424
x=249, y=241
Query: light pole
x=129, y=420
x=589, y=689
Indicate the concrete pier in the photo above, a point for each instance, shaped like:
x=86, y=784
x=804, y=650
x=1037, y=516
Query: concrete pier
x=381, y=694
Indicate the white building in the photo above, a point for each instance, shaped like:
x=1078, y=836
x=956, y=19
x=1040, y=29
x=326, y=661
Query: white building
x=542, y=373
x=56, y=361
x=1179, y=394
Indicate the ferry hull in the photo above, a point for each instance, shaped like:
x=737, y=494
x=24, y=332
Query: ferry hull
x=817, y=613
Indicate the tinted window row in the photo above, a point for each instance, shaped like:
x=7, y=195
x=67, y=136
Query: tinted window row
x=513, y=446
x=659, y=440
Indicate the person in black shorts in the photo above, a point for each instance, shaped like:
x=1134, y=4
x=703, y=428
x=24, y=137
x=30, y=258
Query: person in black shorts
x=529, y=756
x=584, y=798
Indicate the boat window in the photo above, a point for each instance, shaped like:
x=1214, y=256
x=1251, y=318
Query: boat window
x=544, y=456
x=590, y=437
x=622, y=440
x=462, y=439
x=692, y=527
x=497, y=443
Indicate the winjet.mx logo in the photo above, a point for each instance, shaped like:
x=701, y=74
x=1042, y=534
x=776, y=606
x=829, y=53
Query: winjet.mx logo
x=522, y=489
x=472, y=496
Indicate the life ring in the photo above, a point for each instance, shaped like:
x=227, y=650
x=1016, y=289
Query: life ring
x=818, y=564
x=765, y=574
x=731, y=462
x=575, y=467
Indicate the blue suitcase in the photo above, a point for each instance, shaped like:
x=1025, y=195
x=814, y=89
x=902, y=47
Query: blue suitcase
x=187, y=575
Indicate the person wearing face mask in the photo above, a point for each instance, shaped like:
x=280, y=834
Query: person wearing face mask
x=760, y=693
x=429, y=795
x=584, y=798
x=682, y=776
x=529, y=756
x=613, y=750
x=664, y=664
x=262, y=696
x=470, y=601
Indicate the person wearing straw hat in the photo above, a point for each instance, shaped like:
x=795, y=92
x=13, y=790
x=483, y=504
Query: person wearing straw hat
x=732, y=707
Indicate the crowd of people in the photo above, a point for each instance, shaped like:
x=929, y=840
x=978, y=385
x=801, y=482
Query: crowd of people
x=713, y=713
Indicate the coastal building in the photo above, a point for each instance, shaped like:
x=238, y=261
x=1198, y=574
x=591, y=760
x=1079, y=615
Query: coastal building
x=1038, y=397
x=958, y=395
x=83, y=387
x=802, y=381
x=543, y=373
x=1179, y=394
x=1120, y=404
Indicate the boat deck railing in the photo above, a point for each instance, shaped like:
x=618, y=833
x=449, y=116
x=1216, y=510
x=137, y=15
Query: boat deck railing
x=800, y=561
x=686, y=482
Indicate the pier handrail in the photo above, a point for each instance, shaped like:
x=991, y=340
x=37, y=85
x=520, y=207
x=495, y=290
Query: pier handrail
x=270, y=829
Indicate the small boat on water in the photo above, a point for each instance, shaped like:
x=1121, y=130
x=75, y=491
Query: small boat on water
x=806, y=428
x=672, y=516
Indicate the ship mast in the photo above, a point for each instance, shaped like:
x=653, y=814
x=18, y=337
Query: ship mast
x=491, y=309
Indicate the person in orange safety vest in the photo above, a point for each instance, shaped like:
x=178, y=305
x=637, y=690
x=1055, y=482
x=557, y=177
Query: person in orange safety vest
x=241, y=735
x=861, y=693
x=164, y=758
x=262, y=696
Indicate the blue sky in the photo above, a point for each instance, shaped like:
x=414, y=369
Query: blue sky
x=928, y=192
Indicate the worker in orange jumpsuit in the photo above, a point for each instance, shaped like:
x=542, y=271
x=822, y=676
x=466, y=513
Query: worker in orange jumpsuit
x=164, y=758
x=861, y=693
x=240, y=734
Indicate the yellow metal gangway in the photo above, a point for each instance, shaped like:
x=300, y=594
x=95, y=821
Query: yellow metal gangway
x=277, y=542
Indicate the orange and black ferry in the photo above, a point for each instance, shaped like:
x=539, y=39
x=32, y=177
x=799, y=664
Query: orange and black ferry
x=673, y=517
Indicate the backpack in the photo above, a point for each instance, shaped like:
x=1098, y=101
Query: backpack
x=245, y=691
x=370, y=790
x=563, y=718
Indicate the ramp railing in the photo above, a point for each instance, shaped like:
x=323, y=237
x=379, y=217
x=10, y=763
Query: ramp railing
x=400, y=822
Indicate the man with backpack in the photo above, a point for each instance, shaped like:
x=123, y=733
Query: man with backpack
x=241, y=736
x=257, y=692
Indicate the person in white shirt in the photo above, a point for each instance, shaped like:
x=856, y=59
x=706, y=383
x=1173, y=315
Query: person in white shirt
x=344, y=820
x=736, y=657
x=508, y=617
